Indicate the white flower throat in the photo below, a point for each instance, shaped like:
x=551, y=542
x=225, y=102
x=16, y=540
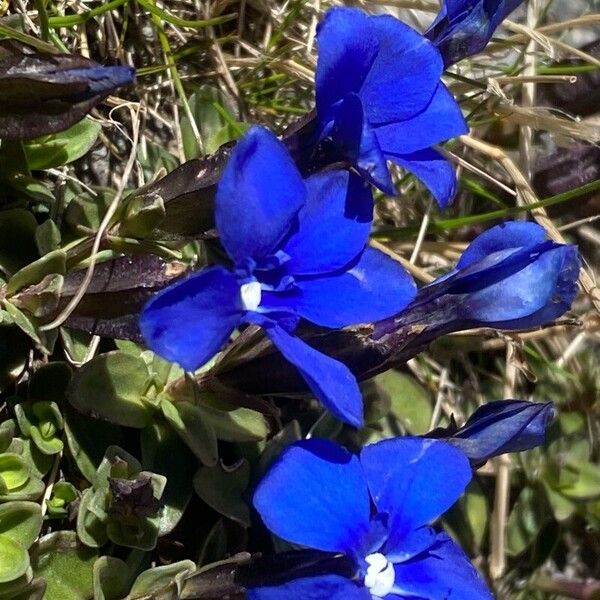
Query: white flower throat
x=380, y=575
x=251, y=295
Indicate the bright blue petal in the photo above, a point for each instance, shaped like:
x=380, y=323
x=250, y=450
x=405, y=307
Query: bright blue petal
x=189, y=321
x=441, y=120
x=316, y=495
x=334, y=224
x=500, y=427
x=414, y=480
x=404, y=75
x=408, y=546
x=565, y=275
x=511, y=234
x=375, y=288
x=355, y=141
x=324, y=587
x=258, y=196
x=330, y=380
x=433, y=170
x=442, y=572
x=526, y=291
x=347, y=48
x=507, y=289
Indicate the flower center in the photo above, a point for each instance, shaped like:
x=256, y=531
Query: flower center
x=380, y=575
x=251, y=295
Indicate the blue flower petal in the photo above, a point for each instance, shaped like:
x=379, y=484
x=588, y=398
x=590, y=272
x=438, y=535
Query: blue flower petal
x=543, y=285
x=433, y=170
x=404, y=75
x=414, y=481
x=375, y=288
x=500, y=427
x=330, y=380
x=334, y=224
x=324, y=587
x=443, y=572
x=189, y=321
x=510, y=288
x=512, y=234
x=355, y=140
x=441, y=120
x=347, y=48
x=410, y=545
x=316, y=495
x=258, y=196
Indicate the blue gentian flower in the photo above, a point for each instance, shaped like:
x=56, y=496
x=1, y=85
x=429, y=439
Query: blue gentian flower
x=298, y=252
x=379, y=98
x=498, y=428
x=376, y=510
x=510, y=277
x=464, y=27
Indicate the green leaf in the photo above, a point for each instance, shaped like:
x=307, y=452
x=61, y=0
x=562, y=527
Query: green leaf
x=214, y=119
x=159, y=579
x=238, y=424
x=49, y=264
x=159, y=445
x=14, y=470
x=562, y=508
x=57, y=149
x=14, y=559
x=90, y=529
x=85, y=211
x=527, y=518
x=88, y=439
x=24, y=322
x=190, y=424
x=40, y=463
x=23, y=588
x=143, y=213
x=111, y=578
x=586, y=485
x=222, y=489
x=214, y=547
x=410, y=403
x=468, y=518
x=21, y=522
x=63, y=494
x=66, y=565
x=7, y=433
x=111, y=387
x=47, y=237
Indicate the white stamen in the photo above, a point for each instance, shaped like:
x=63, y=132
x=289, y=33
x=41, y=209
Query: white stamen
x=251, y=295
x=380, y=575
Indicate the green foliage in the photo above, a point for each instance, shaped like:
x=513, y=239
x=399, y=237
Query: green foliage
x=57, y=149
x=123, y=504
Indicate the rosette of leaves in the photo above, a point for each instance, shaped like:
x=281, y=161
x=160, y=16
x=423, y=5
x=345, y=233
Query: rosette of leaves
x=63, y=495
x=20, y=525
x=22, y=466
x=123, y=504
x=43, y=423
